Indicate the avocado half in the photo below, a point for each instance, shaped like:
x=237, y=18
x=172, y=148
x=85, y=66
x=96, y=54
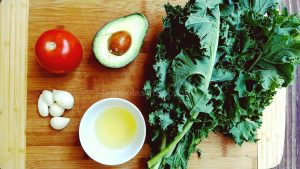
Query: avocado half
x=135, y=24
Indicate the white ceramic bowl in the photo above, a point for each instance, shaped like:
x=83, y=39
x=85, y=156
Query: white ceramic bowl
x=98, y=152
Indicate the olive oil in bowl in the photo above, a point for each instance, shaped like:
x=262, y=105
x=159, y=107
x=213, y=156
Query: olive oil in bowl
x=112, y=131
x=115, y=127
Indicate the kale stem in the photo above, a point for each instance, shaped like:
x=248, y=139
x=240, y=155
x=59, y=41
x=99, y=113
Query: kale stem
x=254, y=63
x=163, y=141
x=162, y=146
x=156, y=166
x=172, y=145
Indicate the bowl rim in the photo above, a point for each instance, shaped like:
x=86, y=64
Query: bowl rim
x=139, y=145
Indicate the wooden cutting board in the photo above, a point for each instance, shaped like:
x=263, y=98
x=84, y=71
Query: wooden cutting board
x=49, y=149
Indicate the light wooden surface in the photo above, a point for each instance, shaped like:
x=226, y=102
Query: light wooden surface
x=13, y=59
x=272, y=132
x=90, y=82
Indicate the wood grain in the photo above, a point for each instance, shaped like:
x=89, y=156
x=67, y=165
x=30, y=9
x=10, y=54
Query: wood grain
x=90, y=82
x=272, y=132
x=13, y=59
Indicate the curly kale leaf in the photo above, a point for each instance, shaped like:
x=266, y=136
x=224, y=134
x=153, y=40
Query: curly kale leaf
x=218, y=65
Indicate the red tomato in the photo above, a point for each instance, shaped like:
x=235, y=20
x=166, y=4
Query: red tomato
x=58, y=51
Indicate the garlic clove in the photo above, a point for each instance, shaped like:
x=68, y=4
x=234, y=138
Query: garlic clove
x=63, y=99
x=59, y=123
x=42, y=107
x=56, y=110
x=47, y=96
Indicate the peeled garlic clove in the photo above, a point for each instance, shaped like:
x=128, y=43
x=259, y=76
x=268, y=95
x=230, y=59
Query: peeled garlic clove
x=56, y=110
x=47, y=96
x=59, y=123
x=63, y=99
x=43, y=107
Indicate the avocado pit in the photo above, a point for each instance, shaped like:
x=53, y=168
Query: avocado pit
x=119, y=43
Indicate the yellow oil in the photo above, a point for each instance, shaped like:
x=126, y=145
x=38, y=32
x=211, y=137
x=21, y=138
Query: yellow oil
x=115, y=127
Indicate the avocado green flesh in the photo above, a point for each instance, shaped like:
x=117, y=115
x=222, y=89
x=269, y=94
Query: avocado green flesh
x=135, y=24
